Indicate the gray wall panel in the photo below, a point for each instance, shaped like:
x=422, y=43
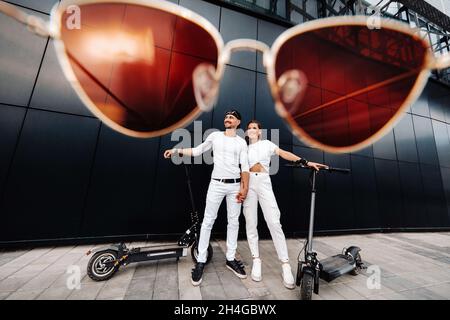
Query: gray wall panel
x=68, y=178
x=53, y=91
x=46, y=190
x=235, y=25
x=21, y=54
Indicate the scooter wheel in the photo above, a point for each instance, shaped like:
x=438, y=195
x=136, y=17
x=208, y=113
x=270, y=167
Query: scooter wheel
x=96, y=268
x=306, y=286
x=194, y=253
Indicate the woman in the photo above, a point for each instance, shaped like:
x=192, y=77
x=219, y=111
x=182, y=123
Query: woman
x=260, y=190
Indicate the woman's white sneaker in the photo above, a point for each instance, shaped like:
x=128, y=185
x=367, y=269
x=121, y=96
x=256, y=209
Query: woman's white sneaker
x=256, y=270
x=288, y=278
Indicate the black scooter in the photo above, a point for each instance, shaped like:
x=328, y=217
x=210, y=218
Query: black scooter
x=310, y=270
x=107, y=260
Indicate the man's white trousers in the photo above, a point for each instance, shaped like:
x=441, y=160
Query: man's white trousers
x=216, y=192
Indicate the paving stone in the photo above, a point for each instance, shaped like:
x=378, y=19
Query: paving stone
x=7, y=257
x=87, y=291
x=24, y=295
x=259, y=292
x=399, y=283
x=347, y=292
x=328, y=293
x=13, y=283
x=422, y=294
x=42, y=281
x=141, y=285
x=186, y=290
x=146, y=270
x=360, y=285
x=141, y=296
x=116, y=288
x=236, y=292
x=166, y=294
x=5, y=294
x=211, y=278
x=442, y=290
x=60, y=293
x=212, y=292
x=288, y=295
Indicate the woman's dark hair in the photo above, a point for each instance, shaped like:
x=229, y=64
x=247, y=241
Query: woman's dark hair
x=249, y=123
x=256, y=122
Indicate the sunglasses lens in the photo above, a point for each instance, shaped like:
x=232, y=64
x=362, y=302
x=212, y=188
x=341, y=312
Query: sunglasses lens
x=136, y=63
x=341, y=85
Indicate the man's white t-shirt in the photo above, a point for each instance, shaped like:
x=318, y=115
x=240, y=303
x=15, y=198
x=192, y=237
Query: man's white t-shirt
x=228, y=153
x=261, y=152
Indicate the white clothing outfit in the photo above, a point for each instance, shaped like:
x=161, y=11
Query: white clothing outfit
x=261, y=152
x=229, y=153
x=260, y=190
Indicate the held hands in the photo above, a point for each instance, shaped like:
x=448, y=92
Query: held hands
x=240, y=197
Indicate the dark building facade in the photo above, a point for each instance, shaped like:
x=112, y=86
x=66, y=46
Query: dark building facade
x=66, y=176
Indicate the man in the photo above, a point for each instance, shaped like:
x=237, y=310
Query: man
x=227, y=180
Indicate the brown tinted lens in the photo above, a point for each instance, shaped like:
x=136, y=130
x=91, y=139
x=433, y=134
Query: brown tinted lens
x=356, y=80
x=135, y=63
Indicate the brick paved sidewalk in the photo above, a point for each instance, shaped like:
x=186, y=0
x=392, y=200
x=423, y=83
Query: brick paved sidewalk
x=41, y=273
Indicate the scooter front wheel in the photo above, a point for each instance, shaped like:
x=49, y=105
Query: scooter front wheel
x=97, y=270
x=194, y=252
x=306, y=286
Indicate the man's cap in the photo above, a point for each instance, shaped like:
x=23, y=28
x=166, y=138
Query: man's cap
x=234, y=113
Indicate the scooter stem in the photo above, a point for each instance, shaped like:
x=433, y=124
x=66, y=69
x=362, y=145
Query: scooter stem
x=191, y=195
x=311, y=212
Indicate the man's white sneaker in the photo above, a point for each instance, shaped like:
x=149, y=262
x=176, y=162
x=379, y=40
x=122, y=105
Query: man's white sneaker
x=256, y=270
x=288, y=278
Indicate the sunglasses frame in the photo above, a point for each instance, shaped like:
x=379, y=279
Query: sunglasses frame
x=53, y=30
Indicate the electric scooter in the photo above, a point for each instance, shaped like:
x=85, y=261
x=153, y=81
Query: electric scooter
x=310, y=270
x=107, y=260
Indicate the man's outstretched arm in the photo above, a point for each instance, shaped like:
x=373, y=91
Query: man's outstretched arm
x=185, y=151
x=203, y=147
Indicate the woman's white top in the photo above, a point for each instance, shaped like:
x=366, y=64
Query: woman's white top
x=228, y=154
x=261, y=152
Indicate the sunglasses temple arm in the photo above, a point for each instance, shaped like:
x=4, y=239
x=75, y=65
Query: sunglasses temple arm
x=34, y=23
x=441, y=62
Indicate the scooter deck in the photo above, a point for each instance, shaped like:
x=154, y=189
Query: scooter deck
x=147, y=254
x=335, y=266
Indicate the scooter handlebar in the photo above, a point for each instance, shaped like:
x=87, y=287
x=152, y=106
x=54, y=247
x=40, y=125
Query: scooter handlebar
x=340, y=170
x=329, y=169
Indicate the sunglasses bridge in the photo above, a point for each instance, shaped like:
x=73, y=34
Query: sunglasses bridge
x=241, y=45
x=206, y=77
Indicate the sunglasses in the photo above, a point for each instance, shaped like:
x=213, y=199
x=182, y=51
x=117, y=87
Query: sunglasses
x=234, y=114
x=148, y=67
